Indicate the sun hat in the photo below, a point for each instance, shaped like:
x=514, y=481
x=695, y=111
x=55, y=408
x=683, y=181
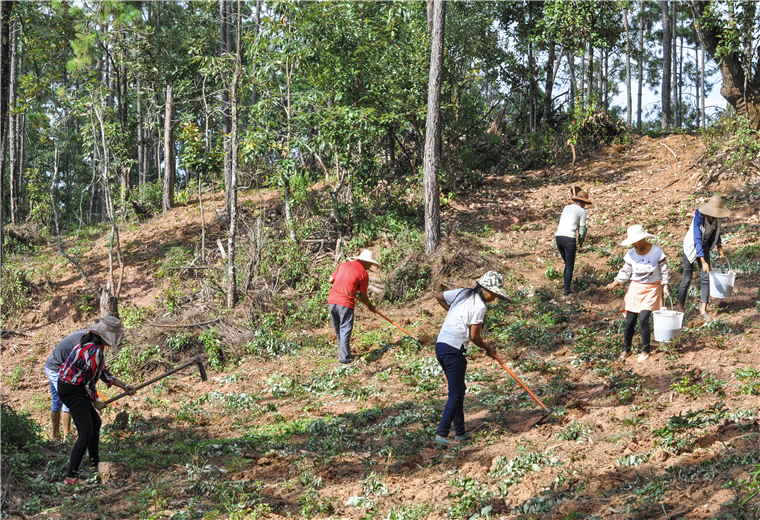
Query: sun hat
x=581, y=196
x=365, y=256
x=110, y=329
x=493, y=282
x=715, y=208
x=635, y=233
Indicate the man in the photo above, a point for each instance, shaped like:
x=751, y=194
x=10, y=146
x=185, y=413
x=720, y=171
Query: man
x=349, y=280
x=58, y=410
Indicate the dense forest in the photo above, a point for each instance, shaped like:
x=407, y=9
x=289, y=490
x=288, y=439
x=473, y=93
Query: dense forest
x=198, y=169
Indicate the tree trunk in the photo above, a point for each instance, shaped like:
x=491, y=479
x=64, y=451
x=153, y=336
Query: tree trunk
x=123, y=164
x=629, y=112
x=231, y=270
x=6, y=9
x=641, y=63
x=169, y=173
x=666, y=65
x=433, y=130
x=573, y=90
x=14, y=137
x=141, y=159
x=590, y=86
x=674, y=61
x=731, y=69
x=702, y=86
x=549, y=81
x=225, y=14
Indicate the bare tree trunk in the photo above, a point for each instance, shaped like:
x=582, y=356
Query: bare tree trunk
x=573, y=89
x=582, y=89
x=123, y=164
x=141, y=159
x=169, y=173
x=231, y=271
x=666, y=65
x=590, y=93
x=680, y=84
x=433, y=130
x=13, y=130
x=289, y=66
x=702, y=87
x=225, y=11
x=674, y=61
x=5, y=68
x=549, y=81
x=629, y=112
x=641, y=63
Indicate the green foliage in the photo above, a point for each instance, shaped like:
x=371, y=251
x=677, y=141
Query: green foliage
x=213, y=347
x=20, y=431
x=696, y=384
x=470, y=500
x=552, y=274
x=15, y=292
x=750, y=378
x=679, y=433
x=575, y=431
x=733, y=144
x=179, y=341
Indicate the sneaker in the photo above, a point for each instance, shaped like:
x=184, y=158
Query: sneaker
x=71, y=481
x=625, y=355
x=446, y=442
x=643, y=357
x=346, y=361
x=464, y=437
x=706, y=316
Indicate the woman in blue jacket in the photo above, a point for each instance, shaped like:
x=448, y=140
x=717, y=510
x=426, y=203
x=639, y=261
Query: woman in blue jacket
x=703, y=236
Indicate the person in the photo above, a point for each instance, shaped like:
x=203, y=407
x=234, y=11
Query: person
x=349, y=280
x=572, y=221
x=647, y=269
x=702, y=237
x=77, y=380
x=465, y=312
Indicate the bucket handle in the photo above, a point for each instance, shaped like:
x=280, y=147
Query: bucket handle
x=671, y=302
x=729, y=263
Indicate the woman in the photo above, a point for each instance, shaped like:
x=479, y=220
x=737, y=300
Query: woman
x=76, y=387
x=465, y=312
x=573, y=220
x=703, y=236
x=647, y=269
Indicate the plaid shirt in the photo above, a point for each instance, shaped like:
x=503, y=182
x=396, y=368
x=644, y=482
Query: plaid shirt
x=84, y=366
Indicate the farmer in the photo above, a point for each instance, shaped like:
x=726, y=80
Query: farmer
x=349, y=280
x=76, y=388
x=465, y=312
x=572, y=221
x=647, y=269
x=703, y=236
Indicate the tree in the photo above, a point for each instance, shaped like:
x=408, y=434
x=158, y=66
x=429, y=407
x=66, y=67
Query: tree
x=433, y=130
x=6, y=9
x=728, y=34
x=666, y=65
x=169, y=166
x=233, y=149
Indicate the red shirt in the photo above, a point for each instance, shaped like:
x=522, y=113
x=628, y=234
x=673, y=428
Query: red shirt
x=350, y=278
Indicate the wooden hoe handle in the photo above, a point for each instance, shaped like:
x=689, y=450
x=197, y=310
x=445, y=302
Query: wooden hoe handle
x=511, y=373
x=195, y=361
x=397, y=326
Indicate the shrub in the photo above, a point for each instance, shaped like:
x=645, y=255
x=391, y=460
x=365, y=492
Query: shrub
x=213, y=347
x=19, y=429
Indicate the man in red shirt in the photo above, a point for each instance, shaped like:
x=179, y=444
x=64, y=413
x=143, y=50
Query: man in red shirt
x=349, y=279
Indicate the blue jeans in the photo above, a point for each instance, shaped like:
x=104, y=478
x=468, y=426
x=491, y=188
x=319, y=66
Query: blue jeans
x=454, y=364
x=343, y=323
x=52, y=376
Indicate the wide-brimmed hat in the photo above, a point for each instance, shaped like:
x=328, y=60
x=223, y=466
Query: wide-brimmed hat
x=365, y=256
x=581, y=196
x=715, y=208
x=635, y=233
x=110, y=329
x=493, y=282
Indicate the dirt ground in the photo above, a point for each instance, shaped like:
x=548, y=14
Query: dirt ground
x=654, y=182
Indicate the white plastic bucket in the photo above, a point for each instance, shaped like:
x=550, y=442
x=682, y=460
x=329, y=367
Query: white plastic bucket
x=722, y=282
x=667, y=325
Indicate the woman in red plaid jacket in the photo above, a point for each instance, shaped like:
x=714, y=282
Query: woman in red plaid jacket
x=76, y=387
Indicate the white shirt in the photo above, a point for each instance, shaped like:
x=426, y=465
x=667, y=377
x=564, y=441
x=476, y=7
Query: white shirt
x=573, y=216
x=649, y=268
x=467, y=311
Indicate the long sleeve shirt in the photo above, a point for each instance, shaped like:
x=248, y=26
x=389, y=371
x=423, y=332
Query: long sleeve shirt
x=649, y=268
x=701, y=235
x=84, y=366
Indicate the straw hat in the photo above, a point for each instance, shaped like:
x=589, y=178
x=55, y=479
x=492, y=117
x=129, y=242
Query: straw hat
x=715, y=208
x=635, y=233
x=110, y=329
x=493, y=282
x=365, y=256
x=581, y=196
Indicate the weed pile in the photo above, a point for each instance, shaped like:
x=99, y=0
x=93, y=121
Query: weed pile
x=732, y=148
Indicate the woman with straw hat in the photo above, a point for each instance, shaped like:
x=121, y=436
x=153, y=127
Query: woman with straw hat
x=572, y=221
x=465, y=312
x=77, y=378
x=348, y=281
x=703, y=236
x=647, y=269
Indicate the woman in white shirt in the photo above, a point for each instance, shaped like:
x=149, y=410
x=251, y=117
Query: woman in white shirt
x=572, y=221
x=647, y=269
x=466, y=310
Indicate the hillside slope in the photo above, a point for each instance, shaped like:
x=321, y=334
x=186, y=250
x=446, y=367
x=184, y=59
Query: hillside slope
x=289, y=432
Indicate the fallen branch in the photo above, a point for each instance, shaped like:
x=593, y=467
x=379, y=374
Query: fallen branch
x=116, y=492
x=184, y=325
x=671, y=151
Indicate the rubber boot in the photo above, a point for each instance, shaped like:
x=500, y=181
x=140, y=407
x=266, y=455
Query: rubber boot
x=55, y=418
x=66, y=424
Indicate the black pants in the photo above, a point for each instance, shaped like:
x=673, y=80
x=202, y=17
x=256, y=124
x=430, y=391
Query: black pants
x=567, y=247
x=88, y=423
x=688, y=274
x=630, y=328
